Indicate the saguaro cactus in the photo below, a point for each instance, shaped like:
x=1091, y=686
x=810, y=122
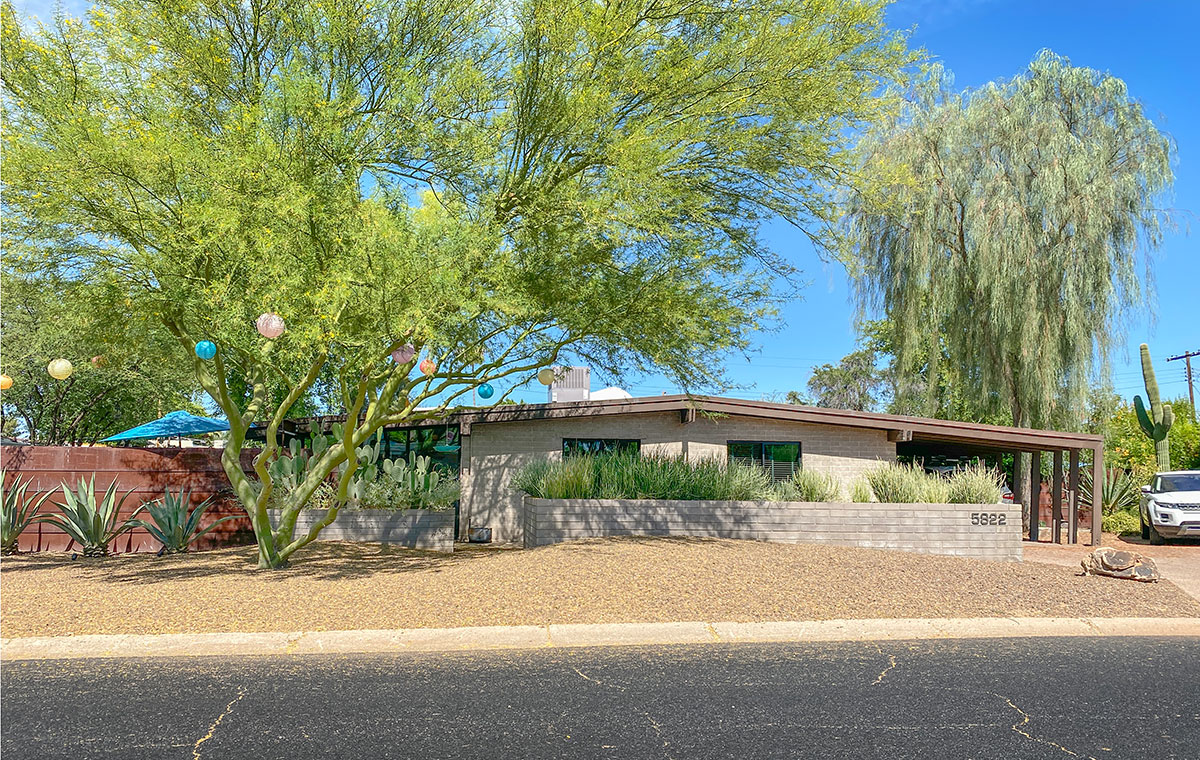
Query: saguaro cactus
x=1156, y=423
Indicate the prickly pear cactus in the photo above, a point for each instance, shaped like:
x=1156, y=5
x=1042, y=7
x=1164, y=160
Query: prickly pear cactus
x=1156, y=423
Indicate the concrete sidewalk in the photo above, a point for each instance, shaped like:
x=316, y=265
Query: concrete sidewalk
x=537, y=637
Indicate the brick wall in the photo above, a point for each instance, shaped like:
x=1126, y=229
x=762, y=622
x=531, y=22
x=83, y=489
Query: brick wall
x=493, y=452
x=146, y=471
x=923, y=528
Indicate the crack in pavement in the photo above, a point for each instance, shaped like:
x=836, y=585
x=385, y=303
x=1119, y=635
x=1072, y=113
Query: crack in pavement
x=596, y=681
x=212, y=729
x=658, y=730
x=1025, y=720
x=891, y=664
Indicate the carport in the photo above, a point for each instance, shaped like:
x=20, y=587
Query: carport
x=928, y=440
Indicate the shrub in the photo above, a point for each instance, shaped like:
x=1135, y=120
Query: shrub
x=92, y=523
x=808, y=485
x=975, y=485
x=898, y=483
x=860, y=492
x=937, y=489
x=19, y=511
x=1121, y=522
x=173, y=524
x=629, y=476
x=1117, y=493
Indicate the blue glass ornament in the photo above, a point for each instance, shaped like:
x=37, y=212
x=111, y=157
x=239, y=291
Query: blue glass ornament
x=206, y=349
x=486, y=391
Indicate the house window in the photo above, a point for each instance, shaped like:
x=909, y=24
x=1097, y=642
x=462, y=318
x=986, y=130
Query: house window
x=579, y=446
x=440, y=443
x=781, y=460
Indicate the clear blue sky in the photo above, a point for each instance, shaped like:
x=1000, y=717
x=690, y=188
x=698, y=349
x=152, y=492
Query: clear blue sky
x=1152, y=46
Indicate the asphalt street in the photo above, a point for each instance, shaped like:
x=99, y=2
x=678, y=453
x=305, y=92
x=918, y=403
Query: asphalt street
x=993, y=698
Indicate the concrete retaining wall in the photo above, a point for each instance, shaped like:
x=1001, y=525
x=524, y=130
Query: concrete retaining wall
x=924, y=528
x=412, y=528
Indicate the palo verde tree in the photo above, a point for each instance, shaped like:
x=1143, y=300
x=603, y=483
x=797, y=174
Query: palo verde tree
x=1011, y=225
x=498, y=185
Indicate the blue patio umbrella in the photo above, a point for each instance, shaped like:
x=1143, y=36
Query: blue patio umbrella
x=173, y=424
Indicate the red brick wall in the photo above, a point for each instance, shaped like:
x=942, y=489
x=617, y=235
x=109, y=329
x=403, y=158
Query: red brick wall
x=146, y=471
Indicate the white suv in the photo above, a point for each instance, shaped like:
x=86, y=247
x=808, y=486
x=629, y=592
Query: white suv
x=1171, y=506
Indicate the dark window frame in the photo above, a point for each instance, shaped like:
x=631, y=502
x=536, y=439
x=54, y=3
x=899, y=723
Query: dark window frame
x=759, y=458
x=583, y=446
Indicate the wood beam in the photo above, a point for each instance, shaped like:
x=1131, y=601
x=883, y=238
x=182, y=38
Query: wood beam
x=899, y=436
x=1097, y=488
x=1056, y=497
x=1035, y=493
x=1073, y=497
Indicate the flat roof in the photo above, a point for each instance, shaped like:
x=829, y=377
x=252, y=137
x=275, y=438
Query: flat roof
x=901, y=428
x=996, y=437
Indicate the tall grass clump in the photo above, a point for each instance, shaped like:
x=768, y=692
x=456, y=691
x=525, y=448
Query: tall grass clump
x=808, y=485
x=860, y=492
x=975, y=484
x=898, y=483
x=910, y=484
x=630, y=476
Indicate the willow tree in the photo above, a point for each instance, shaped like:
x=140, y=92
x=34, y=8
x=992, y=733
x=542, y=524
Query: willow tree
x=1015, y=225
x=499, y=185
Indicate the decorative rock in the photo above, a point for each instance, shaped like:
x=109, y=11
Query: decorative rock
x=1116, y=563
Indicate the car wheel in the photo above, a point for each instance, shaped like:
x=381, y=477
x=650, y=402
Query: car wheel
x=1145, y=528
x=1155, y=538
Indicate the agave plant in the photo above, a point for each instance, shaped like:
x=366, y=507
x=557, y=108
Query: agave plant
x=92, y=523
x=1117, y=493
x=19, y=511
x=173, y=525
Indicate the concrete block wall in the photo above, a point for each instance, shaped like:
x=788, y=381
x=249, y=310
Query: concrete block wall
x=412, y=528
x=923, y=528
x=492, y=453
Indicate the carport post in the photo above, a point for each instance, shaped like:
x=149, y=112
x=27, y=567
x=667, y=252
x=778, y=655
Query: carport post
x=1073, y=498
x=1035, y=493
x=1056, y=498
x=1097, y=488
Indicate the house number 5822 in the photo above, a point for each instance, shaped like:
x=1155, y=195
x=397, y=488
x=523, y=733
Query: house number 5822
x=988, y=518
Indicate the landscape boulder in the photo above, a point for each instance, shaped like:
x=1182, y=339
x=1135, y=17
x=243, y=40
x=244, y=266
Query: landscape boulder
x=1117, y=563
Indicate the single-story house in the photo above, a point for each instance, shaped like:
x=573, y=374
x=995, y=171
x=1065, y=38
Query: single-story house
x=487, y=446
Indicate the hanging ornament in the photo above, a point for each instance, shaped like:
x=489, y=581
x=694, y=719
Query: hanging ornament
x=99, y=362
x=486, y=391
x=5, y=382
x=545, y=376
x=404, y=354
x=427, y=366
x=60, y=369
x=270, y=325
x=206, y=349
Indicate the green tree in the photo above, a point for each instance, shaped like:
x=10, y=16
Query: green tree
x=1126, y=445
x=500, y=185
x=45, y=318
x=854, y=383
x=1011, y=224
x=1008, y=227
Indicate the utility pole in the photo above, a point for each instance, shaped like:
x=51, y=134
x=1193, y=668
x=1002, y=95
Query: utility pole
x=1187, y=358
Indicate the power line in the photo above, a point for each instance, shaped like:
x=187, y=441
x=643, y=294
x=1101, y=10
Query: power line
x=1187, y=357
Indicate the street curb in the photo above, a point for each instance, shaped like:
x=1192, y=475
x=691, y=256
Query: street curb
x=567, y=636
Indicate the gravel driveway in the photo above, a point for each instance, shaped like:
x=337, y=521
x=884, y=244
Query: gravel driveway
x=335, y=585
x=1179, y=561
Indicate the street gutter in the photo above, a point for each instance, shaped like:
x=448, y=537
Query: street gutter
x=566, y=636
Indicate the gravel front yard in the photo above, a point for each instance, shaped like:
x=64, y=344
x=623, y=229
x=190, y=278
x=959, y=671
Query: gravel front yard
x=334, y=586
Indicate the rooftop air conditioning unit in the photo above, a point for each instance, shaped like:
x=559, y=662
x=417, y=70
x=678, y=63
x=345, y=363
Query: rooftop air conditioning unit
x=570, y=384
